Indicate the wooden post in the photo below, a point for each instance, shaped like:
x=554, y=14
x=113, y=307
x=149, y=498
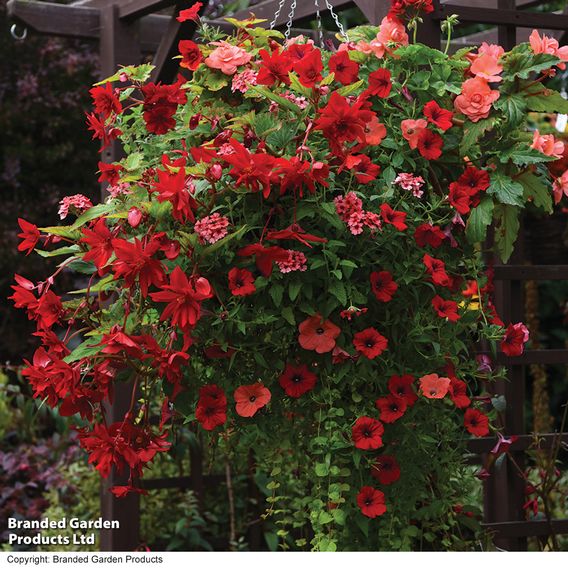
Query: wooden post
x=119, y=45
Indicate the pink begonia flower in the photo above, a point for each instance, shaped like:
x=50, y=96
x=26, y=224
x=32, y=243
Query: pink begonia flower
x=548, y=45
x=227, y=57
x=475, y=99
x=411, y=130
x=560, y=187
x=392, y=31
x=487, y=67
x=374, y=47
x=491, y=49
x=547, y=144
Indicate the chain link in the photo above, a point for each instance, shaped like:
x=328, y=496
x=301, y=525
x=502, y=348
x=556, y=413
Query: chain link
x=277, y=13
x=336, y=20
x=320, y=25
x=290, y=19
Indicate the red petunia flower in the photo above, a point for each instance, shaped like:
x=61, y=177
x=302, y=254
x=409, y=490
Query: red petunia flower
x=367, y=433
x=184, y=296
x=345, y=69
x=433, y=386
x=380, y=84
x=297, y=381
x=385, y=469
x=428, y=234
x=438, y=116
x=211, y=408
x=370, y=342
x=458, y=393
x=317, y=334
x=274, y=68
x=446, y=308
x=309, y=68
x=516, y=335
x=371, y=501
x=401, y=387
x=476, y=422
x=191, y=13
x=383, y=285
x=251, y=398
x=391, y=408
x=395, y=218
x=430, y=144
x=474, y=179
x=437, y=270
x=191, y=54
x=30, y=236
x=241, y=282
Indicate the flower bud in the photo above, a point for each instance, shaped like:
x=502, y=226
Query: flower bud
x=134, y=217
x=215, y=172
x=194, y=121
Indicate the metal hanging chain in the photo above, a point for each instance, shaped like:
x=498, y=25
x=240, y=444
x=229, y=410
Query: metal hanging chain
x=290, y=19
x=336, y=20
x=277, y=13
x=319, y=24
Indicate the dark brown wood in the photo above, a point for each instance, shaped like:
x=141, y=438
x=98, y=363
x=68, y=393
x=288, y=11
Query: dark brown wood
x=373, y=10
x=132, y=9
x=506, y=35
x=429, y=31
x=496, y=16
x=183, y=482
x=523, y=529
x=125, y=510
x=531, y=272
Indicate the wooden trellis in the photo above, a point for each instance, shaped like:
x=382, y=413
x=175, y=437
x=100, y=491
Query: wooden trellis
x=128, y=30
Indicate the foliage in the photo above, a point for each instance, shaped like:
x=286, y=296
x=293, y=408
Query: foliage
x=349, y=354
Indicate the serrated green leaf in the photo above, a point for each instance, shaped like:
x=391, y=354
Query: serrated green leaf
x=513, y=106
x=521, y=155
x=536, y=191
x=548, y=101
x=506, y=190
x=479, y=219
x=261, y=91
x=506, y=230
x=473, y=131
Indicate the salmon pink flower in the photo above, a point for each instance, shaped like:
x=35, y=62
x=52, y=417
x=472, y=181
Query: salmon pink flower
x=317, y=334
x=385, y=469
x=476, y=422
x=487, y=67
x=433, y=386
x=370, y=343
x=227, y=57
x=411, y=130
x=392, y=31
x=547, y=144
x=391, y=408
x=251, y=398
x=366, y=433
x=371, y=501
x=548, y=45
x=559, y=188
x=375, y=132
x=475, y=99
x=516, y=335
x=297, y=381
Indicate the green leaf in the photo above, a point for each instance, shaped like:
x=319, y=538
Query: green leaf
x=85, y=349
x=297, y=86
x=548, y=101
x=135, y=73
x=536, y=191
x=513, y=106
x=522, y=64
x=350, y=89
x=276, y=292
x=473, y=131
x=506, y=190
x=337, y=288
x=58, y=252
x=507, y=228
x=522, y=156
x=216, y=81
x=321, y=469
x=288, y=315
x=294, y=289
x=265, y=92
x=102, y=285
x=479, y=219
x=222, y=242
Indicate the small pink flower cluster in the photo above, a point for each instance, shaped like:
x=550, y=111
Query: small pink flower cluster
x=77, y=203
x=350, y=210
x=299, y=101
x=211, y=228
x=410, y=182
x=119, y=189
x=297, y=261
x=243, y=81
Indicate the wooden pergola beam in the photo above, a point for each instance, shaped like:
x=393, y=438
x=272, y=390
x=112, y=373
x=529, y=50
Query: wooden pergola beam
x=132, y=9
